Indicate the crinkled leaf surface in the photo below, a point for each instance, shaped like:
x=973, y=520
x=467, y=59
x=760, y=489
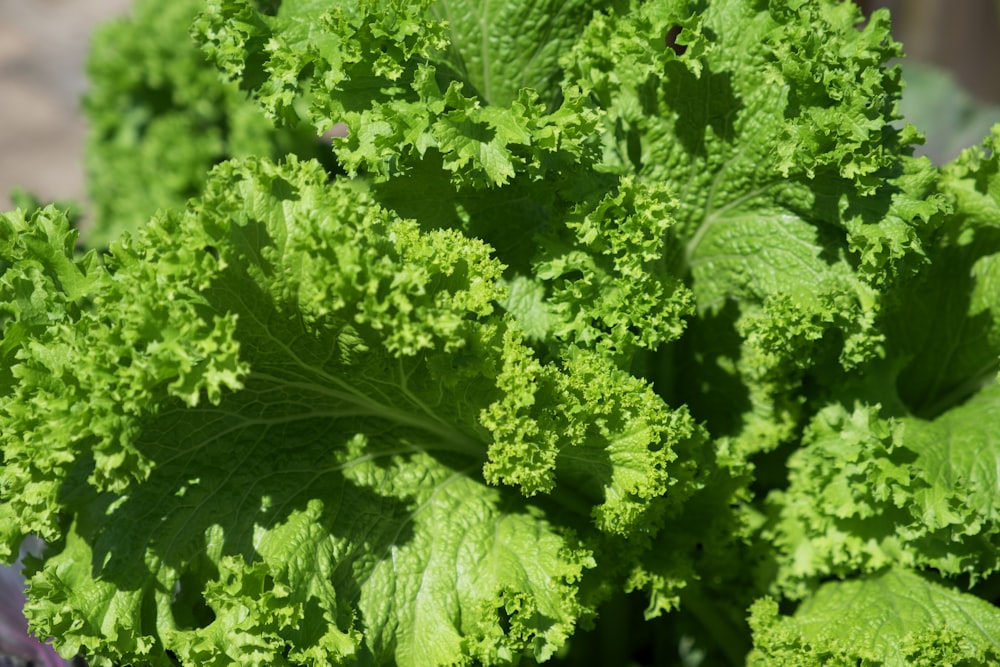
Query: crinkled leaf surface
x=769, y=123
x=901, y=491
x=944, y=330
x=918, y=488
x=515, y=168
x=277, y=451
x=412, y=405
x=500, y=48
x=896, y=618
x=409, y=86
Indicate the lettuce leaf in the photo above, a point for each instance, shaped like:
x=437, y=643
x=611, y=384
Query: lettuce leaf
x=905, y=491
x=447, y=330
x=909, y=475
x=797, y=200
x=895, y=618
x=337, y=388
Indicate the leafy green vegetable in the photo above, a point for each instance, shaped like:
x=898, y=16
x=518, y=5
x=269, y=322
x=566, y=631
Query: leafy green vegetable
x=896, y=618
x=288, y=316
x=618, y=329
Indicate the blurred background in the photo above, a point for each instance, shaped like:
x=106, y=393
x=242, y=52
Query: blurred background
x=960, y=36
x=43, y=44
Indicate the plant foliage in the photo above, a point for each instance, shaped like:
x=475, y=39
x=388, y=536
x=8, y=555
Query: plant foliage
x=456, y=332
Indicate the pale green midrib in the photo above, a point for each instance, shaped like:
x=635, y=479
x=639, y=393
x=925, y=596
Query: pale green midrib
x=715, y=215
x=366, y=406
x=451, y=438
x=442, y=11
x=484, y=45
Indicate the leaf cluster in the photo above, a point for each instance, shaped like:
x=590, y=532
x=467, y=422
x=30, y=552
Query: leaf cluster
x=455, y=332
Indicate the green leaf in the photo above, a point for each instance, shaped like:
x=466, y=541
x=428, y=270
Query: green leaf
x=895, y=618
x=942, y=330
x=795, y=199
x=293, y=444
x=500, y=48
x=905, y=491
x=394, y=76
